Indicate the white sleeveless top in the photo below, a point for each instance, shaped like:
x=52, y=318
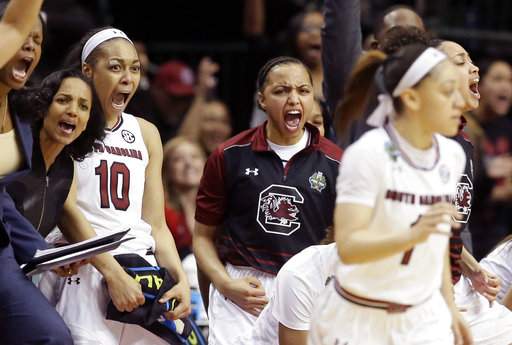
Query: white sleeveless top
x=376, y=173
x=11, y=158
x=110, y=184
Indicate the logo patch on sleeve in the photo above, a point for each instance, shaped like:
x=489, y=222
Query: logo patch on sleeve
x=317, y=181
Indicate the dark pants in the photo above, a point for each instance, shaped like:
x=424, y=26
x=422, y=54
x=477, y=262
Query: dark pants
x=26, y=317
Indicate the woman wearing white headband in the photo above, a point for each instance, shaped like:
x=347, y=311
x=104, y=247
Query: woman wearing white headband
x=393, y=214
x=119, y=186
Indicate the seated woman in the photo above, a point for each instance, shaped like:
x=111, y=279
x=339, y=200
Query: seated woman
x=182, y=167
x=67, y=127
x=69, y=124
x=22, y=304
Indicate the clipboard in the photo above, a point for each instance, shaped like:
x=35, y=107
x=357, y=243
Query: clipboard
x=47, y=259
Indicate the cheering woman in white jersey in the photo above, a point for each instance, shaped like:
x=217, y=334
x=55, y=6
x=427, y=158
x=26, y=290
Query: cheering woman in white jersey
x=119, y=186
x=392, y=218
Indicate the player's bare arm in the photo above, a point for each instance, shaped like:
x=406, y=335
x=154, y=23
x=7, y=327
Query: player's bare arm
x=485, y=283
x=460, y=328
x=153, y=213
x=15, y=25
x=125, y=292
x=247, y=292
x=288, y=336
x=356, y=244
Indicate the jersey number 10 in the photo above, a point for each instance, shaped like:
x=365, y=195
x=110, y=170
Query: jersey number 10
x=119, y=173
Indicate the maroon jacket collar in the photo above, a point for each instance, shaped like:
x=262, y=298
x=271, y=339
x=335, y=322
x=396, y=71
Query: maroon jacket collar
x=259, y=139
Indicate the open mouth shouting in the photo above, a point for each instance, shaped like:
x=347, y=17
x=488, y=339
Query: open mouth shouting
x=67, y=126
x=21, y=68
x=473, y=87
x=292, y=119
x=120, y=100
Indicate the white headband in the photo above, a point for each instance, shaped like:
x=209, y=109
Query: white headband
x=100, y=37
x=430, y=58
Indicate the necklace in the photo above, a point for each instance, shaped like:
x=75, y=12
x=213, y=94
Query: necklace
x=4, y=115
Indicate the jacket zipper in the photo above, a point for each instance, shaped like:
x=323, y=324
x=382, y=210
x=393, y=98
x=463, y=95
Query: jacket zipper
x=288, y=164
x=44, y=202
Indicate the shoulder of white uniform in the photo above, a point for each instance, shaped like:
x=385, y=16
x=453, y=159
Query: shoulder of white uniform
x=304, y=259
x=450, y=145
x=448, y=142
x=147, y=128
x=502, y=250
x=371, y=143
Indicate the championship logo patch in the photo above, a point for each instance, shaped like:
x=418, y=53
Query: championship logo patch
x=278, y=211
x=392, y=150
x=317, y=181
x=463, y=198
x=128, y=136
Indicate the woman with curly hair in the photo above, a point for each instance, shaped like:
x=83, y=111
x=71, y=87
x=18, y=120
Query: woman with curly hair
x=22, y=304
x=67, y=126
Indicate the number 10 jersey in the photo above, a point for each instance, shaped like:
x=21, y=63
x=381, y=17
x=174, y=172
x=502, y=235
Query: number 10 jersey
x=110, y=184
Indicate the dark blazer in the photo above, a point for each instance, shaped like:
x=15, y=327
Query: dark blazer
x=14, y=228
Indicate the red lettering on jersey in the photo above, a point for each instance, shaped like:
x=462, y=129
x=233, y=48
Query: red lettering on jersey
x=434, y=199
x=98, y=147
x=407, y=198
x=118, y=151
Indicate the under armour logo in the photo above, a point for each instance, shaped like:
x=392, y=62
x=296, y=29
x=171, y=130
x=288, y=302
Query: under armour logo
x=71, y=280
x=254, y=171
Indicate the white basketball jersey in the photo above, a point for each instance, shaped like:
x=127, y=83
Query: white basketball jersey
x=110, y=184
x=499, y=262
x=376, y=172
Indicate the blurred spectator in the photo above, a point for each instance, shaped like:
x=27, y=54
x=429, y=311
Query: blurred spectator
x=67, y=21
x=142, y=103
x=492, y=215
x=317, y=117
x=173, y=93
x=305, y=39
x=183, y=162
x=208, y=121
x=214, y=126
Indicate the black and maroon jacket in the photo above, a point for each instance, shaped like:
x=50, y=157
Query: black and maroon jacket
x=463, y=203
x=265, y=212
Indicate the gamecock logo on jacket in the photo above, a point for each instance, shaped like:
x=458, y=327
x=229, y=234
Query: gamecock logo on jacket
x=278, y=211
x=463, y=198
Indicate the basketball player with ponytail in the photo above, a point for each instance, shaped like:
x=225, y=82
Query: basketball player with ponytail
x=394, y=214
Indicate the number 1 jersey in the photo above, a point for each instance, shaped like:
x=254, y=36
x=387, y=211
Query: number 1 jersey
x=110, y=184
x=376, y=172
